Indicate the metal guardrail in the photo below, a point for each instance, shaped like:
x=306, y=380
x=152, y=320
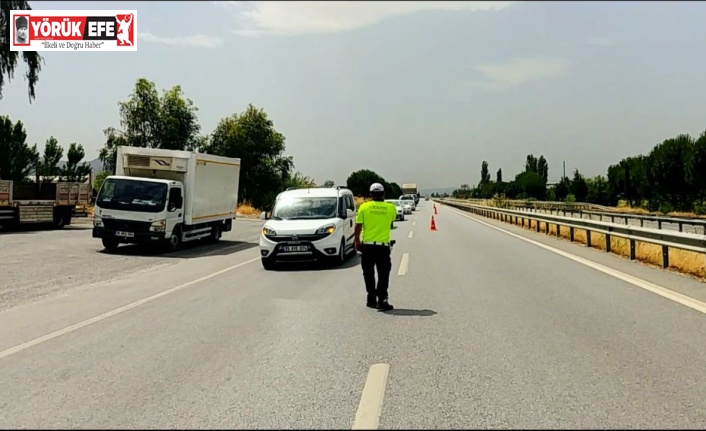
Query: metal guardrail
x=665, y=238
x=692, y=225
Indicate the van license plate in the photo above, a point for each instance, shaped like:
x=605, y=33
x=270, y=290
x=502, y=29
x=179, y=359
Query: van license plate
x=295, y=248
x=125, y=234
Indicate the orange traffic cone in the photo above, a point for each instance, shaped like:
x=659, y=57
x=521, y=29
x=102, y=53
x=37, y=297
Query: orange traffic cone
x=433, y=224
x=435, y=209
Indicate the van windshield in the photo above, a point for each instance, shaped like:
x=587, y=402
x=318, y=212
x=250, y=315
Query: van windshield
x=132, y=195
x=305, y=207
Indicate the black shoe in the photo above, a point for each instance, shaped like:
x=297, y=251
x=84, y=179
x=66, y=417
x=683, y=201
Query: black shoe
x=372, y=302
x=385, y=306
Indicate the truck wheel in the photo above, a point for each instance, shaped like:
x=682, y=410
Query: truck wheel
x=267, y=264
x=215, y=233
x=59, y=220
x=110, y=244
x=174, y=241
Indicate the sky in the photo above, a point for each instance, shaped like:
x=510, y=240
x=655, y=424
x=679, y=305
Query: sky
x=418, y=92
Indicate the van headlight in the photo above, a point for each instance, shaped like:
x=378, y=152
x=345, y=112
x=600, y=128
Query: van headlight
x=268, y=232
x=158, y=226
x=328, y=229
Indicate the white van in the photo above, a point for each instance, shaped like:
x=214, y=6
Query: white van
x=309, y=225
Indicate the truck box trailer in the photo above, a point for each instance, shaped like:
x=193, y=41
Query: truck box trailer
x=166, y=197
x=41, y=203
x=411, y=189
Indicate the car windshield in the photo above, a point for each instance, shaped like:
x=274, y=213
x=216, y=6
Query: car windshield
x=305, y=207
x=132, y=195
x=396, y=202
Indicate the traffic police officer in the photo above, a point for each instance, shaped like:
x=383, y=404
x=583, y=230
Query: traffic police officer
x=374, y=221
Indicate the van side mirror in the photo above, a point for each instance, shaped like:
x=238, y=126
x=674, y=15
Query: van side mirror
x=263, y=215
x=349, y=213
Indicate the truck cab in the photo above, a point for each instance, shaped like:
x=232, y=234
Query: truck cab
x=137, y=210
x=166, y=197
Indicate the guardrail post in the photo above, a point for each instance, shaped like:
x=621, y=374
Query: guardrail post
x=665, y=256
x=588, y=238
x=632, y=249
x=612, y=219
x=659, y=224
x=571, y=233
x=681, y=227
x=607, y=242
x=558, y=230
x=536, y=226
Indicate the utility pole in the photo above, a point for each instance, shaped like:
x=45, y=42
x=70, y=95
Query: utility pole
x=564, y=170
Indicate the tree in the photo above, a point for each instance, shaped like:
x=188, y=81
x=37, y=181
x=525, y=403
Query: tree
x=562, y=189
x=499, y=176
x=579, y=187
x=668, y=171
x=598, y=191
x=696, y=169
x=251, y=136
x=394, y=191
x=100, y=177
x=531, y=184
x=49, y=164
x=74, y=169
x=359, y=181
x=328, y=184
x=484, y=174
x=537, y=165
x=150, y=121
x=543, y=168
x=9, y=59
x=300, y=181
x=17, y=159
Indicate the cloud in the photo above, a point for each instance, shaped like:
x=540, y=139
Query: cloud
x=600, y=41
x=310, y=17
x=199, y=40
x=520, y=70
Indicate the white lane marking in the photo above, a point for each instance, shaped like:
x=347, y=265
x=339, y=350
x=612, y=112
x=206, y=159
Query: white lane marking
x=414, y=223
x=404, y=265
x=370, y=407
x=68, y=329
x=411, y=234
x=685, y=300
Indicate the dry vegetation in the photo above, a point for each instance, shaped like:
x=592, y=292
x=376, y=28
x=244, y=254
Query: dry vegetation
x=680, y=260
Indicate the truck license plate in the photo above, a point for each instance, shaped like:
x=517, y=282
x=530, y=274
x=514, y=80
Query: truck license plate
x=295, y=248
x=125, y=234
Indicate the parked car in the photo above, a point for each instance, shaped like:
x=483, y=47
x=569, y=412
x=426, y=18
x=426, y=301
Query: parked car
x=400, y=208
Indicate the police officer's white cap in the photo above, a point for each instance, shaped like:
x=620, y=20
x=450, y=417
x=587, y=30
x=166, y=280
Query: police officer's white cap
x=377, y=187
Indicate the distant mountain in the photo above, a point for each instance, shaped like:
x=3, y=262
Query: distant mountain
x=96, y=165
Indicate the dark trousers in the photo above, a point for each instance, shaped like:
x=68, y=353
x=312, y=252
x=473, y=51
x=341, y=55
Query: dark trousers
x=373, y=256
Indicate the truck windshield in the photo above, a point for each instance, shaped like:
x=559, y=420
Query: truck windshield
x=132, y=195
x=305, y=208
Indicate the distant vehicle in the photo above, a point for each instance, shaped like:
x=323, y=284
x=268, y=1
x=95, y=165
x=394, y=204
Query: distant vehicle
x=426, y=198
x=166, y=197
x=41, y=203
x=411, y=189
x=309, y=225
x=400, y=208
x=411, y=199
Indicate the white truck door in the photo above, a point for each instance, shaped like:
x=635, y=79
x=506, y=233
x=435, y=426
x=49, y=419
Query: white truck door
x=175, y=208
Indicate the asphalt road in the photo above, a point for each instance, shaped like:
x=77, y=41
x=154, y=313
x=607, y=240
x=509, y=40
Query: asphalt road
x=490, y=331
x=38, y=263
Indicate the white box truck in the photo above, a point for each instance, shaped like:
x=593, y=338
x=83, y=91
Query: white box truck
x=166, y=197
